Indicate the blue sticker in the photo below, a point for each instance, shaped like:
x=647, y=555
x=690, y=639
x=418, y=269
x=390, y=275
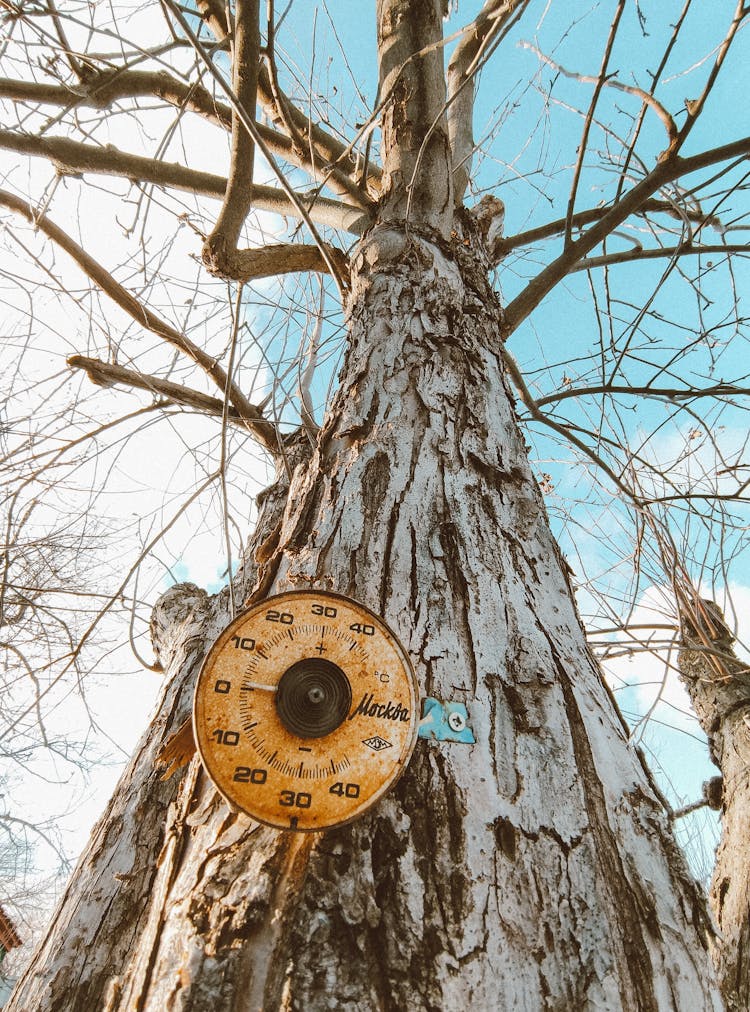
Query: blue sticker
x=445, y=722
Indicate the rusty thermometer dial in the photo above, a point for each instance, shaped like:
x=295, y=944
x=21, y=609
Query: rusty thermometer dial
x=305, y=710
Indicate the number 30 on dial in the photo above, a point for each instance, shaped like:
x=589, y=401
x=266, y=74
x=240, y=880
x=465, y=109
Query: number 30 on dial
x=305, y=710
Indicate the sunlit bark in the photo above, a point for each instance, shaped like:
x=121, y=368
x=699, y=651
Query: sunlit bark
x=535, y=869
x=719, y=687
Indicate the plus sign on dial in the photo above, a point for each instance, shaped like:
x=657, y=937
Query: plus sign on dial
x=305, y=710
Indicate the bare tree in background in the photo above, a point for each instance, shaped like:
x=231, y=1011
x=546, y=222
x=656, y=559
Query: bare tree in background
x=538, y=868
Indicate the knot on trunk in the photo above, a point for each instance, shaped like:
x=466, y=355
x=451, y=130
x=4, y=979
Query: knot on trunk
x=489, y=215
x=713, y=791
x=178, y=616
x=703, y=623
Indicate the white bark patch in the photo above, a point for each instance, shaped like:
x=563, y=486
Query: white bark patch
x=533, y=870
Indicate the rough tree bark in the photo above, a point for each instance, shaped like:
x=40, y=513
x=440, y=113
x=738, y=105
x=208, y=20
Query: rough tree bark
x=719, y=687
x=533, y=870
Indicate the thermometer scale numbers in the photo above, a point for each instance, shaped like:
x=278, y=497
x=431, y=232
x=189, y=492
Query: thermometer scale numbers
x=305, y=710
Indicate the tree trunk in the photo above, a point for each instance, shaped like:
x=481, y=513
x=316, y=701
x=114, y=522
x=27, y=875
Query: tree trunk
x=532, y=870
x=719, y=687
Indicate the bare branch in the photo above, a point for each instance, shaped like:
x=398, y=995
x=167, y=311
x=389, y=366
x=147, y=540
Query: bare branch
x=107, y=374
x=670, y=393
x=666, y=171
x=214, y=13
x=505, y=245
x=73, y=158
x=462, y=70
x=337, y=167
x=281, y=258
x=262, y=430
x=610, y=82
x=102, y=90
x=563, y=430
x=695, y=106
x=660, y=252
x=238, y=196
x=249, y=125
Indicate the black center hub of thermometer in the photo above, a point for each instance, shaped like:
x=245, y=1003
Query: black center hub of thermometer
x=305, y=710
x=314, y=697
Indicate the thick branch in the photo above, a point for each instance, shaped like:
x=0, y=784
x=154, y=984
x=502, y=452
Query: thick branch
x=73, y=158
x=109, y=87
x=632, y=202
x=214, y=13
x=462, y=70
x=338, y=166
x=238, y=196
x=104, y=89
x=248, y=124
x=107, y=374
x=322, y=155
x=263, y=431
x=416, y=154
x=282, y=258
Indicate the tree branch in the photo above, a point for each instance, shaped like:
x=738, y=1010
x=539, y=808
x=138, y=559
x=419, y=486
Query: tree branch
x=261, y=429
x=505, y=245
x=282, y=258
x=337, y=162
x=238, y=197
x=73, y=158
x=249, y=125
x=324, y=157
x=563, y=430
x=632, y=255
x=609, y=82
x=670, y=393
x=695, y=106
x=666, y=171
x=462, y=70
x=102, y=90
x=107, y=374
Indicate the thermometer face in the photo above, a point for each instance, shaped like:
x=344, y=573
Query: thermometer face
x=305, y=710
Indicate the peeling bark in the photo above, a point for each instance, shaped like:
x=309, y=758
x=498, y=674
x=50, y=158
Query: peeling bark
x=109, y=916
x=535, y=869
x=719, y=687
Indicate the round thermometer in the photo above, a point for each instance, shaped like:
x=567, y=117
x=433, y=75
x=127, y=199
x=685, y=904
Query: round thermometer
x=305, y=710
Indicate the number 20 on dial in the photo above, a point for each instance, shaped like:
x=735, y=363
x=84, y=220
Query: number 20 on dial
x=305, y=710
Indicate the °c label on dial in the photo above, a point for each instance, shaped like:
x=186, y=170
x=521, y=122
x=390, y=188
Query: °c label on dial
x=305, y=710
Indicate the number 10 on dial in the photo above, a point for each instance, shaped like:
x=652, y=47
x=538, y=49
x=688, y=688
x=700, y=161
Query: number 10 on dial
x=305, y=710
